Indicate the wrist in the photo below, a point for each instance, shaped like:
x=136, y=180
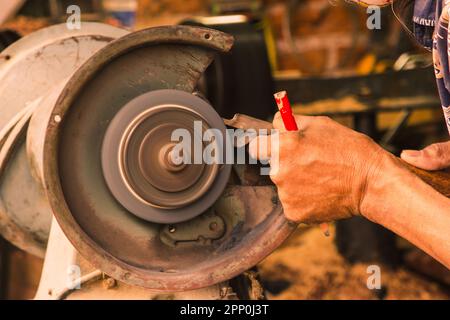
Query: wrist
x=383, y=181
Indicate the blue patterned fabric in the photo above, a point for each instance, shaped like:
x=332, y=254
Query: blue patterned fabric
x=431, y=29
x=441, y=41
x=424, y=20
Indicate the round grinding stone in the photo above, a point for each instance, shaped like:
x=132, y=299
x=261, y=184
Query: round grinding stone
x=142, y=165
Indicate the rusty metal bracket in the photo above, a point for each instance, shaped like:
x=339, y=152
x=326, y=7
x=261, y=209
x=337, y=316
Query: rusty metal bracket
x=202, y=230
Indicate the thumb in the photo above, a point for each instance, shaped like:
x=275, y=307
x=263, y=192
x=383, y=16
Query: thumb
x=434, y=157
x=278, y=122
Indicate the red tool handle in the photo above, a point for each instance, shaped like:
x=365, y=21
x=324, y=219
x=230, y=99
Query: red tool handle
x=285, y=110
x=291, y=125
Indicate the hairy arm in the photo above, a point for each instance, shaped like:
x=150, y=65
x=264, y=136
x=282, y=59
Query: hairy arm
x=401, y=202
x=327, y=172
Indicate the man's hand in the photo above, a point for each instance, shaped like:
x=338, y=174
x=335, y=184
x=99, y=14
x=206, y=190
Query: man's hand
x=380, y=3
x=322, y=171
x=434, y=157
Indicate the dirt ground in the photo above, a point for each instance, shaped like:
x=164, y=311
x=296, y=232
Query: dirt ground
x=308, y=266
x=26, y=25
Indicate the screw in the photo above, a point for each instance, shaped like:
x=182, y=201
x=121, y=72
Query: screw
x=109, y=283
x=127, y=275
x=172, y=229
x=213, y=226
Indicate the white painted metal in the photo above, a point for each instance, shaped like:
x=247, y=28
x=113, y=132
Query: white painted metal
x=59, y=257
x=24, y=216
x=35, y=63
x=58, y=282
x=34, y=70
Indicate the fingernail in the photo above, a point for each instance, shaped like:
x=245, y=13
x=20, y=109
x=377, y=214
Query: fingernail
x=411, y=153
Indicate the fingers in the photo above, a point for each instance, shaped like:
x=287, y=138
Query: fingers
x=260, y=148
x=367, y=3
x=434, y=157
x=266, y=148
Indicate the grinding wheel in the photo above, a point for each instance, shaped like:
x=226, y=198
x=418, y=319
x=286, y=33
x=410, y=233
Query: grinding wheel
x=135, y=158
x=113, y=184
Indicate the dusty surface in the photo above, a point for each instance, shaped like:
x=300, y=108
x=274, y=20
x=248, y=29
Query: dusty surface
x=23, y=276
x=343, y=105
x=308, y=266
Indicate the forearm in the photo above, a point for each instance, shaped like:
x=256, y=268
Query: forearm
x=403, y=203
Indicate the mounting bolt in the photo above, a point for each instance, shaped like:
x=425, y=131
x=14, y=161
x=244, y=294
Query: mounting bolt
x=109, y=283
x=213, y=226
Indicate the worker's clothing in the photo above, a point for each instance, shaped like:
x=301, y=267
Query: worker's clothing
x=428, y=21
x=424, y=21
x=441, y=58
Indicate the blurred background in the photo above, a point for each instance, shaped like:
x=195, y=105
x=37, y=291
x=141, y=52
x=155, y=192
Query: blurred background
x=321, y=51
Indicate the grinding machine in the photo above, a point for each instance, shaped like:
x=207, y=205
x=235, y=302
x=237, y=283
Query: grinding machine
x=86, y=180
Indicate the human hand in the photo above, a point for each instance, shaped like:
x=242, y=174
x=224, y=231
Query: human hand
x=323, y=170
x=380, y=3
x=432, y=158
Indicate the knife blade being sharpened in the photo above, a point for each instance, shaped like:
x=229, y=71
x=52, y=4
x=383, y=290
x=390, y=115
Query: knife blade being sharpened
x=244, y=122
